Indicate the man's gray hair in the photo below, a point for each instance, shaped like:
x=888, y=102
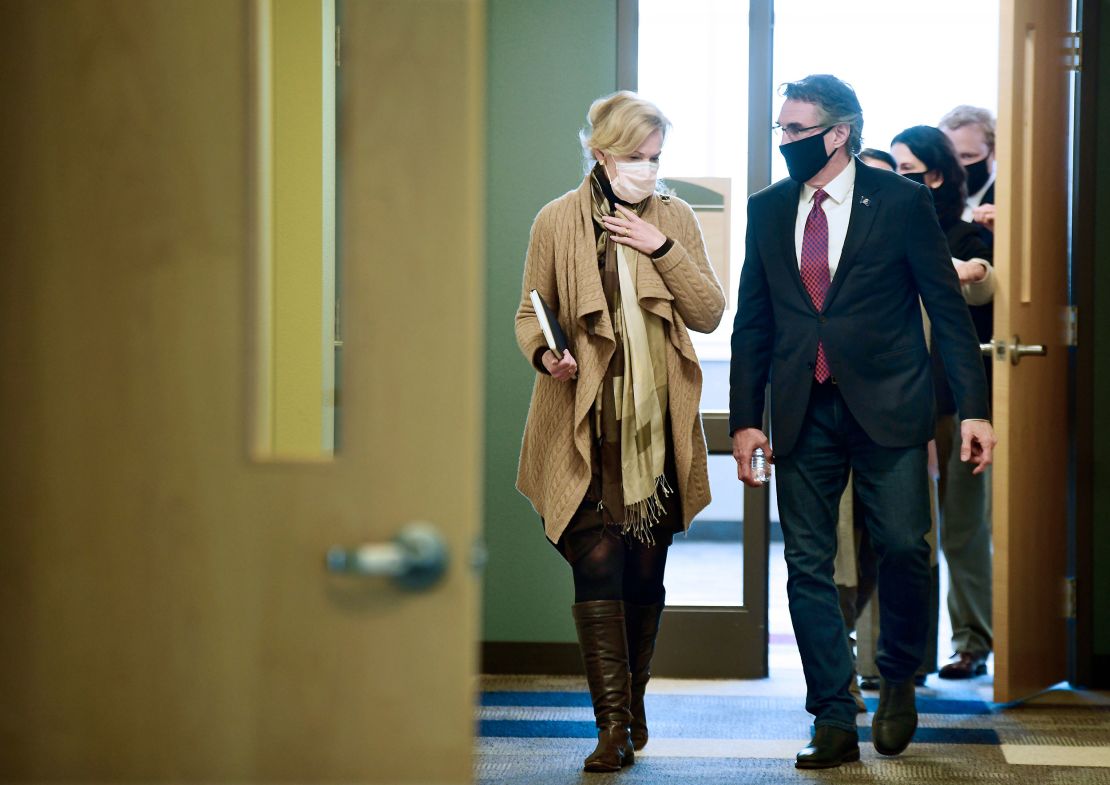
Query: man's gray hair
x=836, y=103
x=965, y=114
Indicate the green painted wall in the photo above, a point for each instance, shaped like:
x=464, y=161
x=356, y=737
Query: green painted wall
x=548, y=59
x=1101, y=317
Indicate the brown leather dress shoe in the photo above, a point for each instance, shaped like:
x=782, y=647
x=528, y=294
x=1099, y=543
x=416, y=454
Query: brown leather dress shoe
x=966, y=666
x=830, y=747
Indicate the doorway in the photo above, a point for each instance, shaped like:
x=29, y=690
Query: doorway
x=685, y=58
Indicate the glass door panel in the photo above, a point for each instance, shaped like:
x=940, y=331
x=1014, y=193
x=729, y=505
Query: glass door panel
x=693, y=63
x=696, y=60
x=706, y=567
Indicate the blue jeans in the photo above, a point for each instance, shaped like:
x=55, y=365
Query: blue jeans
x=892, y=490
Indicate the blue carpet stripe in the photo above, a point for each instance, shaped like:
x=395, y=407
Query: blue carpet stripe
x=537, y=729
x=545, y=699
x=925, y=705
x=569, y=729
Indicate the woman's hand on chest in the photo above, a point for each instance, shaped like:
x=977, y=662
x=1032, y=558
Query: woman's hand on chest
x=627, y=228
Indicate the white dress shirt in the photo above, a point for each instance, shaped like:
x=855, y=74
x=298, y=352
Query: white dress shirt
x=838, y=209
x=976, y=198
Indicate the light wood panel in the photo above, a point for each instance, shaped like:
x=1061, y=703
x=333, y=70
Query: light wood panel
x=164, y=612
x=1030, y=403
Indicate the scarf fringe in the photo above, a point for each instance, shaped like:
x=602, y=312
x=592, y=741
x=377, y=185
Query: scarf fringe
x=641, y=516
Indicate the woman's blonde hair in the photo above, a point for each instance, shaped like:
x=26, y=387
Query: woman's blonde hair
x=619, y=124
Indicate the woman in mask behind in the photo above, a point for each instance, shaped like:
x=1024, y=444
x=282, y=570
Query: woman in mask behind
x=925, y=154
x=613, y=457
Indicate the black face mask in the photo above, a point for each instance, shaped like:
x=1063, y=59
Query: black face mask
x=806, y=157
x=977, y=176
x=947, y=200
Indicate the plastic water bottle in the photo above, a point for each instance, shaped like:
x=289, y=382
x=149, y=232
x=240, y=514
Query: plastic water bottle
x=759, y=466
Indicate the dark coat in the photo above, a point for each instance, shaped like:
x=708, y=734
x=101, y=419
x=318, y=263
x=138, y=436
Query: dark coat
x=966, y=241
x=894, y=253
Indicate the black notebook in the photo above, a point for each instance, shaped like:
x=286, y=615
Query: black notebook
x=556, y=339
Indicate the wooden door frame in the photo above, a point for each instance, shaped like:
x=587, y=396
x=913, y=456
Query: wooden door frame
x=1081, y=434
x=1031, y=522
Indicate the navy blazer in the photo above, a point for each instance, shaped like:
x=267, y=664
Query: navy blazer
x=894, y=254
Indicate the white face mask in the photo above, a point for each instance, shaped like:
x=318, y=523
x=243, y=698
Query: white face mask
x=635, y=180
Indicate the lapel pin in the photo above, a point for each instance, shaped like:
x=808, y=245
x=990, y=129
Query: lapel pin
x=865, y=201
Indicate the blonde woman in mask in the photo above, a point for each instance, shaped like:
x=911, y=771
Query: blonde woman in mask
x=613, y=457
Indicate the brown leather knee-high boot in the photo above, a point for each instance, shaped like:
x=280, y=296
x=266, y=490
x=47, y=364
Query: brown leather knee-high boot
x=642, y=622
x=601, y=636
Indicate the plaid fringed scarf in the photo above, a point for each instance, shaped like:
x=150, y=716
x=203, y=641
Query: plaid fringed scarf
x=632, y=401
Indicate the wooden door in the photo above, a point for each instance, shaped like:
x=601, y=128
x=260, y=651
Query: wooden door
x=165, y=613
x=1030, y=393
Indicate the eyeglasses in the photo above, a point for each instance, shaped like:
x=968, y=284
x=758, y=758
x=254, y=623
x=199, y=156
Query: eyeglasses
x=793, y=130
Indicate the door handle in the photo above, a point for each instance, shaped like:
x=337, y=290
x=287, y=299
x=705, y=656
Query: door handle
x=1016, y=349
x=416, y=558
x=1019, y=350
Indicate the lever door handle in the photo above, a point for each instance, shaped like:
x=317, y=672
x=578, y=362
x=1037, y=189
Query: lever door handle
x=416, y=558
x=1015, y=349
x=1019, y=350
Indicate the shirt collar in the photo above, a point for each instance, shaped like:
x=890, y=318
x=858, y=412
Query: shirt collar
x=838, y=188
x=983, y=191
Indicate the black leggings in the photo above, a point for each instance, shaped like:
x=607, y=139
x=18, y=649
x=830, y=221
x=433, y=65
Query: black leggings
x=617, y=568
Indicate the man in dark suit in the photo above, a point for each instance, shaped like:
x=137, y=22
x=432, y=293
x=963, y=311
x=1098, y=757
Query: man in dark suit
x=839, y=259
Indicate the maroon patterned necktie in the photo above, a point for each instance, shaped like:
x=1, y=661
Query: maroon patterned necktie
x=815, y=269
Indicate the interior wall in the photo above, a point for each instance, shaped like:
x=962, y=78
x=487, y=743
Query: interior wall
x=547, y=62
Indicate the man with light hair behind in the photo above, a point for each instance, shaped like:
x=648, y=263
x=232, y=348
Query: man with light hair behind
x=965, y=530
x=971, y=131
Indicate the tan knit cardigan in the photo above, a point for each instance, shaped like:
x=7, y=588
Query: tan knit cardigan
x=680, y=287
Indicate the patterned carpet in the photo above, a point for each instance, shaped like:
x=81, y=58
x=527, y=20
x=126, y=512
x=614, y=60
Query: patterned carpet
x=538, y=729
x=535, y=730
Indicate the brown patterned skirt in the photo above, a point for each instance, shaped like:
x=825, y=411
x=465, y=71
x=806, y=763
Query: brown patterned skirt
x=589, y=524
